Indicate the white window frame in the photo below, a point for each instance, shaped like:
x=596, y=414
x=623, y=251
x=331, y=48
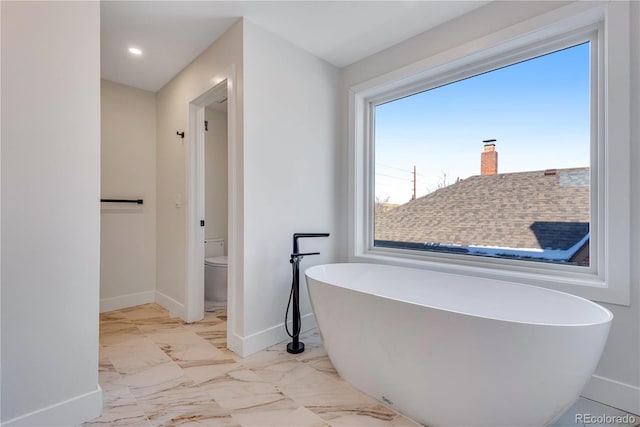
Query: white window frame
x=606, y=25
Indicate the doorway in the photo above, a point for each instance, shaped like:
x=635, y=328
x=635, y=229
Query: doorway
x=215, y=205
x=217, y=91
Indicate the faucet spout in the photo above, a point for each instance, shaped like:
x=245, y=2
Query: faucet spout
x=297, y=236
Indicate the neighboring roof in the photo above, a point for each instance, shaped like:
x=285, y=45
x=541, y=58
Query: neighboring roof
x=525, y=210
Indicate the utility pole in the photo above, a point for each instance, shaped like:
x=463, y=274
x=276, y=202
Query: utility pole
x=414, y=183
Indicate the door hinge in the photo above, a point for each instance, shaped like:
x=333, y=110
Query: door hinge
x=202, y=223
x=206, y=125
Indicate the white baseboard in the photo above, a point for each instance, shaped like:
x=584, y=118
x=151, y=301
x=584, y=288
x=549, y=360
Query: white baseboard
x=125, y=301
x=246, y=346
x=613, y=393
x=234, y=343
x=176, y=309
x=71, y=412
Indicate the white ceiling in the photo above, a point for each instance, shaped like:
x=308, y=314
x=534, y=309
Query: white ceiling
x=171, y=34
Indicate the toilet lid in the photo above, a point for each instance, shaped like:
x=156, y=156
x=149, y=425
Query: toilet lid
x=220, y=261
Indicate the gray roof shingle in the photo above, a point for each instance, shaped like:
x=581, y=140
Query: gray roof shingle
x=511, y=210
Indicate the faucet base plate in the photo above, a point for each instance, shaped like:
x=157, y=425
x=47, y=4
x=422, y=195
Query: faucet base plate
x=295, y=349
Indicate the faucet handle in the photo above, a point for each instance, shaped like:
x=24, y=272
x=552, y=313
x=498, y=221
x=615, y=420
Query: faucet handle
x=304, y=254
x=298, y=256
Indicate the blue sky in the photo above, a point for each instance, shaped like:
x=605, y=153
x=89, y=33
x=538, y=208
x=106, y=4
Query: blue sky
x=538, y=111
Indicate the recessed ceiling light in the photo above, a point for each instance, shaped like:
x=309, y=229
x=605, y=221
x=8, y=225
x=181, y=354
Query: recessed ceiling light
x=135, y=51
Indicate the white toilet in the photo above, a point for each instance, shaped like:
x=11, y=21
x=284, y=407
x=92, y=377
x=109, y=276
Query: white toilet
x=215, y=274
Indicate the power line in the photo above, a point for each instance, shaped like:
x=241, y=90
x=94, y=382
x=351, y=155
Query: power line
x=393, y=167
x=400, y=169
x=391, y=176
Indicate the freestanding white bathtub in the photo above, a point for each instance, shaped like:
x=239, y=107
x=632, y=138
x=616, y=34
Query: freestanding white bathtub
x=452, y=350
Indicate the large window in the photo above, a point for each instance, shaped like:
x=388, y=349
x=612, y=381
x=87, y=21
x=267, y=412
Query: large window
x=439, y=186
x=506, y=157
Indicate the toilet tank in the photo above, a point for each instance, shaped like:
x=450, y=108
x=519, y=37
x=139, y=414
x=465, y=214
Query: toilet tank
x=213, y=247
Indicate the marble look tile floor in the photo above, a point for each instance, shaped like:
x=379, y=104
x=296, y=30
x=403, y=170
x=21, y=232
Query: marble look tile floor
x=159, y=371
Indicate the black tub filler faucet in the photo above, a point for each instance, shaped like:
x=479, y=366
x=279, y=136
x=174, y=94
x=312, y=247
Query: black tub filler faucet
x=295, y=346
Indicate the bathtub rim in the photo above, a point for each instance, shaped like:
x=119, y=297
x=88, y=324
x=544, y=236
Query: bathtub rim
x=607, y=312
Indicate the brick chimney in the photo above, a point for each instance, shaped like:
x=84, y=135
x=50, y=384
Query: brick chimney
x=489, y=158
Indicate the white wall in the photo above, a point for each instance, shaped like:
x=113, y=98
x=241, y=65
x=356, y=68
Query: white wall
x=292, y=175
x=128, y=165
x=617, y=378
x=216, y=182
x=621, y=359
x=0, y=215
x=172, y=103
x=286, y=173
x=50, y=212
